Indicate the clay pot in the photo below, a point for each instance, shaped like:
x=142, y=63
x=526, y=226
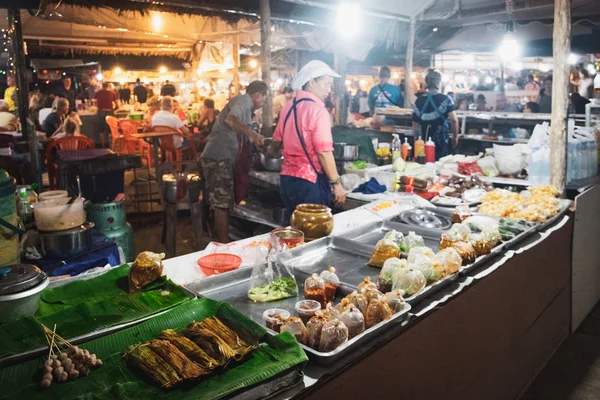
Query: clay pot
x=314, y=220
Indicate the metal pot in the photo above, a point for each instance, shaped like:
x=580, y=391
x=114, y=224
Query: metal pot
x=271, y=164
x=67, y=244
x=20, y=290
x=345, y=152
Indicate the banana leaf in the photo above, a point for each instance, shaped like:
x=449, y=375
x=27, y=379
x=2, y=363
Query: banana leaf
x=87, y=306
x=117, y=380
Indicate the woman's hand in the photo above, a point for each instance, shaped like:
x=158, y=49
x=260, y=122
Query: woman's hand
x=339, y=194
x=257, y=139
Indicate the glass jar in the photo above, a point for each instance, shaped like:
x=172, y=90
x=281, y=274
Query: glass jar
x=314, y=220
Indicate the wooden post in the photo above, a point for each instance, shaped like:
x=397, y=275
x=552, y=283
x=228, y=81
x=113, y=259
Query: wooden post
x=236, y=65
x=560, y=94
x=341, y=106
x=265, y=61
x=409, y=63
x=16, y=38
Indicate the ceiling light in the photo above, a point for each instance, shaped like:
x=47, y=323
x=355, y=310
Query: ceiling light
x=162, y=69
x=117, y=70
x=348, y=20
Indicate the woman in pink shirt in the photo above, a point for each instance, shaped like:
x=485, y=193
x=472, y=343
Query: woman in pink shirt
x=308, y=173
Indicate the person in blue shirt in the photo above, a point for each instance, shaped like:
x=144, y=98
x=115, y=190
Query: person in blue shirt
x=384, y=94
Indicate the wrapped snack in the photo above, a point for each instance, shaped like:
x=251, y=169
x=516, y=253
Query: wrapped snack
x=418, y=252
x=460, y=214
x=465, y=251
x=359, y=300
x=314, y=289
x=333, y=335
x=365, y=284
x=395, y=300
x=378, y=311
x=422, y=260
x=371, y=293
x=146, y=269
x=395, y=236
x=331, y=283
x=384, y=282
x=412, y=240
x=409, y=280
x=354, y=321
x=458, y=233
x=295, y=326
x=329, y=312
x=446, y=262
x=480, y=243
x=385, y=249
x=314, y=328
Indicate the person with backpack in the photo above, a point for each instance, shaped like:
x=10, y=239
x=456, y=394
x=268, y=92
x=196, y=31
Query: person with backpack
x=434, y=116
x=384, y=94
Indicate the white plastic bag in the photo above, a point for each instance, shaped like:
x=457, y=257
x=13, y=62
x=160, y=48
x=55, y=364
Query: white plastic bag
x=488, y=166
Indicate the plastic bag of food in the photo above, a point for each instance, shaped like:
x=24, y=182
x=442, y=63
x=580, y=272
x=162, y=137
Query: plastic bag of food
x=417, y=253
x=488, y=166
x=395, y=300
x=146, y=269
x=371, y=293
x=331, y=283
x=466, y=252
x=412, y=240
x=424, y=263
x=273, y=280
x=410, y=281
x=397, y=237
x=314, y=328
x=354, y=321
x=314, y=289
x=329, y=312
x=366, y=283
x=295, y=326
x=359, y=300
x=479, y=223
x=446, y=262
x=457, y=233
x=333, y=335
x=377, y=311
x=385, y=249
x=384, y=282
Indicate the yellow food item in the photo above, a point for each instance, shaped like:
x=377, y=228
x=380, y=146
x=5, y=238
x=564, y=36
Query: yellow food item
x=536, y=205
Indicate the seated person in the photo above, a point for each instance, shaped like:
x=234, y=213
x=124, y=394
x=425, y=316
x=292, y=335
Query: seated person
x=165, y=117
x=46, y=109
x=8, y=121
x=69, y=128
x=531, y=107
x=54, y=120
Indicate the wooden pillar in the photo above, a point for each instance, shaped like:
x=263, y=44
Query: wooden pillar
x=560, y=94
x=341, y=106
x=265, y=61
x=236, y=65
x=410, y=45
x=16, y=39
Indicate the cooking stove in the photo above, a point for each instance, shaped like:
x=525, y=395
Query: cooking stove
x=426, y=218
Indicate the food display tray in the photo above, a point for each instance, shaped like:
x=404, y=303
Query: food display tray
x=233, y=289
x=563, y=207
x=37, y=352
x=350, y=257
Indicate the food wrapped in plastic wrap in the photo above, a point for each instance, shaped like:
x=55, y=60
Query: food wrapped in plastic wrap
x=409, y=280
x=481, y=244
x=418, y=252
x=331, y=283
x=365, y=284
x=395, y=300
x=425, y=265
x=466, y=252
x=314, y=289
x=384, y=282
x=446, y=262
x=371, y=293
x=295, y=326
x=385, y=249
x=329, y=312
x=146, y=268
x=315, y=327
x=333, y=335
x=354, y=321
x=378, y=311
x=359, y=300
x=412, y=240
x=397, y=237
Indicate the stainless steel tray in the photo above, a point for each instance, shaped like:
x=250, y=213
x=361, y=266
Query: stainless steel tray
x=563, y=207
x=37, y=352
x=233, y=289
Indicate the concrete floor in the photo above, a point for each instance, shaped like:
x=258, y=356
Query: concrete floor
x=573, y=373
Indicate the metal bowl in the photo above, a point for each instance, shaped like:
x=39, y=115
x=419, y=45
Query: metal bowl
x=271, y=164
x=345, y=152
x=68, y=243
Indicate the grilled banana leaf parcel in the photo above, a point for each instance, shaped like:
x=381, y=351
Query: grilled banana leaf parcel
x=184, y=367
x=144, y=358
x=190, y=349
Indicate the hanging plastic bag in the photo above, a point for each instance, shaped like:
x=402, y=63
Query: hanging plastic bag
x=273, y=280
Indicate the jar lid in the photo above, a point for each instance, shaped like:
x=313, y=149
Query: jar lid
x=7, y=184
x=19, y=277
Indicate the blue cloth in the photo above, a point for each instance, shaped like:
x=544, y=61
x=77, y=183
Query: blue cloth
x=381, y=96
x=370, y=187
x=103, y=251
x=296, y=191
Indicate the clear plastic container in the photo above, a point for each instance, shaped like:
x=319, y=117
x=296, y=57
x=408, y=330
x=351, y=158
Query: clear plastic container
x=306, y=309
x=274, y=318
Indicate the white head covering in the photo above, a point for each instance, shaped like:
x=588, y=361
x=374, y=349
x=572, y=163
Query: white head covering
x=313, y=69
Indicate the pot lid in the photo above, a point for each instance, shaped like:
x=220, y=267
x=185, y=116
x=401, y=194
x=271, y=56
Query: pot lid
x=425, y=219
x=19, y=277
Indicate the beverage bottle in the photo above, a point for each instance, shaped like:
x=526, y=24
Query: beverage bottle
x=396, y=147
x=24, y=208
x=429, y=151
x=419, y=147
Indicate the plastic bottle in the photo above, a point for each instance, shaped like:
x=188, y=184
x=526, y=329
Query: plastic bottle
x=429, y=151
x=405, y=149
x=419, y=147
x=24, y=208
x=396, y=147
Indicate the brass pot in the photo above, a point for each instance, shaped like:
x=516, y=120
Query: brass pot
x=314, y=220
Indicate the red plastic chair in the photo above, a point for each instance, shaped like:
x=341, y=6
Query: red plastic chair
x=133, y=145
x=113, y=124
x=65, y=143
x=167, y=144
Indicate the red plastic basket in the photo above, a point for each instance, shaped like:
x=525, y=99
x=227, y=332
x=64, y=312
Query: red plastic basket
x=218, y=263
